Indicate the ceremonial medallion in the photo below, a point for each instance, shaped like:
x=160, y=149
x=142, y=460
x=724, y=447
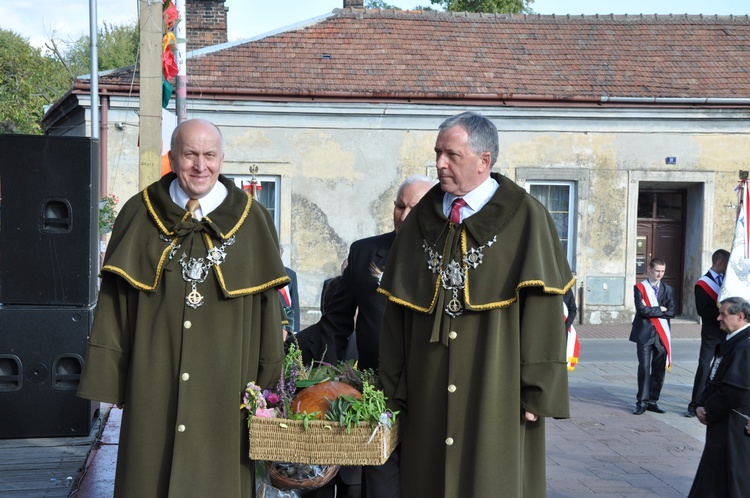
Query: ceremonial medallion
x=195, y=271
x=453, y=276
x=194, y=299
x=172, y=244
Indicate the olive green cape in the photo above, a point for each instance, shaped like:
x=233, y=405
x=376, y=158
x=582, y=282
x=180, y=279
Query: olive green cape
x=462, y=383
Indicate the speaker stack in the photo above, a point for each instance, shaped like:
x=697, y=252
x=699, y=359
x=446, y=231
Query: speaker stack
x=49, y=250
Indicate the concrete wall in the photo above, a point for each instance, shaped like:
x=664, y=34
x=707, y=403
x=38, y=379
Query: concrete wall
x=340, y=165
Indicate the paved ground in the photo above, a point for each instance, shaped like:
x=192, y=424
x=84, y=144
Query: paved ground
x=605, y=450
x=602, y=450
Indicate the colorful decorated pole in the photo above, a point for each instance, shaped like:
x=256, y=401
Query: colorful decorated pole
x=180, y=84
x=149, y=139
x=737, y=279
x=173, y=65
x=170, y=19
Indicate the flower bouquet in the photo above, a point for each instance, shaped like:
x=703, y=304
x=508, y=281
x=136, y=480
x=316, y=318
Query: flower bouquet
x=322, y=415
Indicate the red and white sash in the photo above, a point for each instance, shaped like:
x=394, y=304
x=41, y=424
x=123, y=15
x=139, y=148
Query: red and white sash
x=711, y=287
x=660, y=324
x=286, y=301
x=573, y=346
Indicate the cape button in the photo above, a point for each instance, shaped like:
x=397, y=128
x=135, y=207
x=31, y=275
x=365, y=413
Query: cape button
x=449, y=441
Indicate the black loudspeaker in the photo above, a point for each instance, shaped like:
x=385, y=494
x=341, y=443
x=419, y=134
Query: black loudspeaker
x=49, y=220
x=42, y=350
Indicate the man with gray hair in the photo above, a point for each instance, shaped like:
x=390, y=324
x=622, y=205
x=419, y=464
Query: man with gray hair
x=722, y=407
x=356, y=304
x=472, y=346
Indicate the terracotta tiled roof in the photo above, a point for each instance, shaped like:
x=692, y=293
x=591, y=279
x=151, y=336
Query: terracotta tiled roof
x=374, y=54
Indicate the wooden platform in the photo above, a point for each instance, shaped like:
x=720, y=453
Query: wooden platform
x=44, y=467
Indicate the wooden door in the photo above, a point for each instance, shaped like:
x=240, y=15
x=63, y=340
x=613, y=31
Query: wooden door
x=661, y=234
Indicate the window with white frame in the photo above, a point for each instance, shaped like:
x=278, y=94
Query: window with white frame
x=559, y=199
x=268, y=194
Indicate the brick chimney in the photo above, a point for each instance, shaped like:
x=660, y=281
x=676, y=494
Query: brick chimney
x=206, y=23
x=356, y=4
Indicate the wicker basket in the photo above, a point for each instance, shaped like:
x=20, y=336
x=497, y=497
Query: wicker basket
x=285, y=483
x=323, y=443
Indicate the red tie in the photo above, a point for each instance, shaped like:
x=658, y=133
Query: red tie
x=455, y=216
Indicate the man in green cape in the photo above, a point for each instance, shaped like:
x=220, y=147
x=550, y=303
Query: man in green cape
x=188, y=314
x=472, y=346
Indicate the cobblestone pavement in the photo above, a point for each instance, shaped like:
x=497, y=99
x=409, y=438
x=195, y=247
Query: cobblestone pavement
x=604, y=450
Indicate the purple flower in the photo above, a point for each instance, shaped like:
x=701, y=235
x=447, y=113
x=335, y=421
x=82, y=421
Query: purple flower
x=272, y=398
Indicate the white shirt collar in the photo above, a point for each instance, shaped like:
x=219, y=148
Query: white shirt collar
x=208, y=202
x=729, y=336
x=475, y=200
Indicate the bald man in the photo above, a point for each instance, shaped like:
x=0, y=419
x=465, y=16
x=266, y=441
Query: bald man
x=188, y=314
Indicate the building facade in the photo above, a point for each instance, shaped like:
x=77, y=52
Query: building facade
x=634, y=148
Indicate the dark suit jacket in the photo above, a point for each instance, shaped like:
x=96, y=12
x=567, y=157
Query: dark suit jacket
x=721, y=471
x=570, y=301
x=293, y=296
x=643, y=329
x=357, y=290
x=708, y=311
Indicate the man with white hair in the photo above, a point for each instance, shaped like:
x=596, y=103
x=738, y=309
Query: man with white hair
x=722, y=471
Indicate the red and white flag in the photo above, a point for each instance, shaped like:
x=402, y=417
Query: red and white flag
x=737, y=276
x=285, y=296
x=573, y=345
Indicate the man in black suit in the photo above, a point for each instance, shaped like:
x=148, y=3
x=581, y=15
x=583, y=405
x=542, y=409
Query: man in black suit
x=357, y=296
x=289, y=296
x=570, y=303
x=290, y=300
x=707, y=291
x=357, y=293
x=654, y=307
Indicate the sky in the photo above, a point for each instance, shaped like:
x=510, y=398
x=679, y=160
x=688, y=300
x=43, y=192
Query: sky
x=39, y=20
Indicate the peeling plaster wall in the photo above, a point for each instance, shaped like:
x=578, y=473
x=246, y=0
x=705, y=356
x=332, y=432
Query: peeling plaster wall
x=342, y=181
x=340, y=165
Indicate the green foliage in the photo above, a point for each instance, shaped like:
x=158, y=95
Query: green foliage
x=379, y=4
x=498, y=6
x=29, y=80
x=350, y=411
x=117, y=46
x=337, y=411
x=293, y=364
x=305, y=418
x=107, y=213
